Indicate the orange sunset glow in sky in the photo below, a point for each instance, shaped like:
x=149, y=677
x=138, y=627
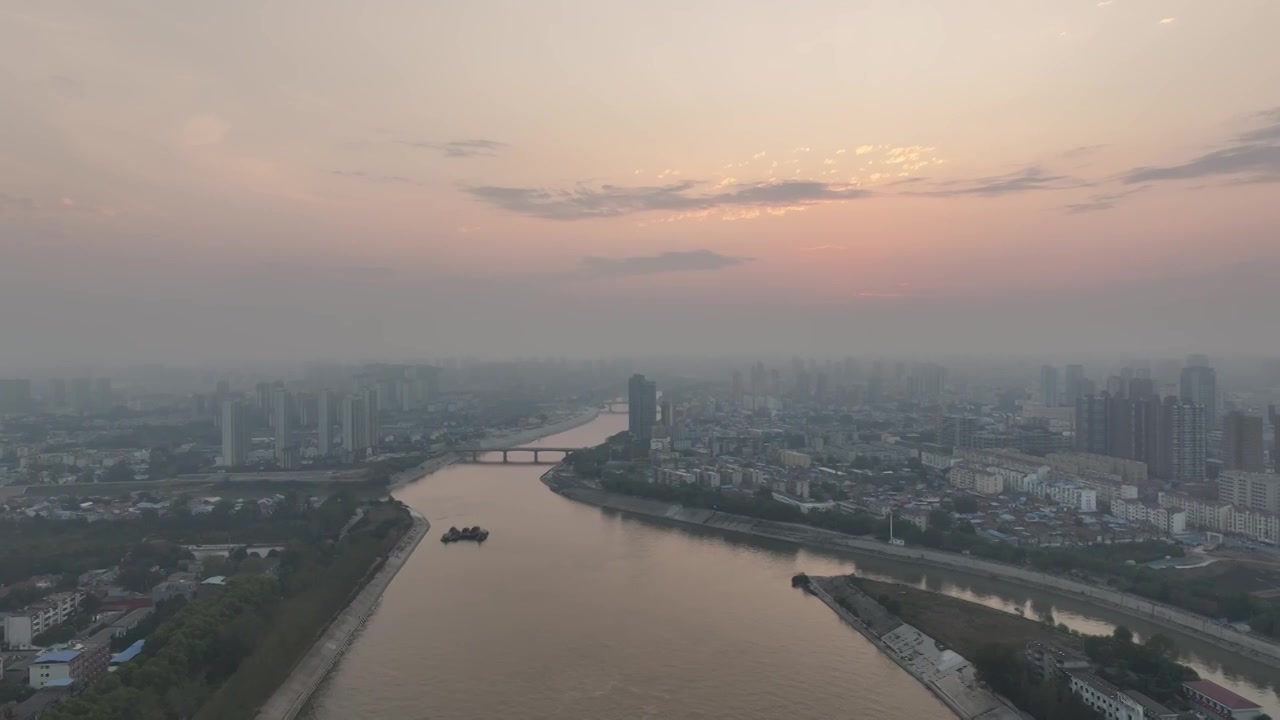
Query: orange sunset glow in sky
x=383, y=178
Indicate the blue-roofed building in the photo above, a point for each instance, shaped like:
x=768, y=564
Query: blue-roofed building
x=128, y=653
x=57, y=656
x=53, y=669
x=60, y=668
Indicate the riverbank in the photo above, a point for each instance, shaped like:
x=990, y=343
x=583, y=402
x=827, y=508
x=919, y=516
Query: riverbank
x=528, y=435
x=949, y=676
x=291, y=697
x=1221, y=636
x=518, y=437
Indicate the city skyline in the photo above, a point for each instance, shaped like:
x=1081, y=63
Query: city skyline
x=359, y=181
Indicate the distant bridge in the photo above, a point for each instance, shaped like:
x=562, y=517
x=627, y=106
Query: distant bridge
x=477, y=455
x=613, y=405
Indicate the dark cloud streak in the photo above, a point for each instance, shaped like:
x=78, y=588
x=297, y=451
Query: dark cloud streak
x=1026, y=180
x=668, y=262
x=1254, y=154
x=376, y=177
x=461, y=148
x=585, y=202
x=1103, y=201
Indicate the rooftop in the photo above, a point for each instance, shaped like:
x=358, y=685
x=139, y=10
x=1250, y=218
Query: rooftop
x=1149, y=705
x=1217, y=693
x=58, y=656
x=128, y=653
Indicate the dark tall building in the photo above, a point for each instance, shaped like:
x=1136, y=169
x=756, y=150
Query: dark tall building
x=15, y=396
x=1091, y=424
x=1122, y=427
x=58, y=393
x=642, y=406
x=236, y=437
x=958, y=430
x=103, y=400
x=1140, y=388
x=82, y=395
x=1242, y=443
x=1152, y=440
x=1075, y=387
x=1187, y=440
x=1199, y=385
x=1049, y=395
x=326, y=414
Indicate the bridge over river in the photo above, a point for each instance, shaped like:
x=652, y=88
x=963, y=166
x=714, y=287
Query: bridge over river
x=478, y=455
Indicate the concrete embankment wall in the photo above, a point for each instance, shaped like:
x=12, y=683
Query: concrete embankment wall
x=1220, y=635
x=856, y=623
x=291, y=697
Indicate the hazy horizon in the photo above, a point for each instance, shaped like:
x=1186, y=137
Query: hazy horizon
x=236, y=182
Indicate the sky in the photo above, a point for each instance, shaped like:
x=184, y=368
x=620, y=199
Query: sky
x=242, y=180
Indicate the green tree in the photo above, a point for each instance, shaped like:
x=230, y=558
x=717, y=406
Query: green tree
x=119, y=472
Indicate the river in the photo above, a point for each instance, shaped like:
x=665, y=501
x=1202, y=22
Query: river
x=569, y=611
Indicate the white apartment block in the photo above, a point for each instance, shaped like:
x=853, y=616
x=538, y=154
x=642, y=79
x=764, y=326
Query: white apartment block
x=672, y=476
x=965, y=476
x=1108, y=700
x=1201, y=513
x=1258, y=525
x=1171, y=520
x=1252, y=523
x=21, y=627
x=1109, y=487
x=1010, y=460
x=937, y=460
x=1260, y=491
x=1083, y=499
x=794, y=458
x=988, y=484
x=1083, y=463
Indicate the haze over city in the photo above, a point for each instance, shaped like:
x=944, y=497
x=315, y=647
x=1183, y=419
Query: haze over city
x=244, y=181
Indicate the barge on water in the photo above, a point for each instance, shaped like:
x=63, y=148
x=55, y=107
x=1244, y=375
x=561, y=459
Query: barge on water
x=477, y=533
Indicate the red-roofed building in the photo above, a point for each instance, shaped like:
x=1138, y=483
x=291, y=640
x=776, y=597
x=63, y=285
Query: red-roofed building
x=1220, y=701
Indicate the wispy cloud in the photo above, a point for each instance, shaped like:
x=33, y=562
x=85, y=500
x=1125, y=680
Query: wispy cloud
x=1254, y=155
x=1028, y=179
x=1102, y=201
x=461, y=148
x=1168, y=21
x=1082, y=150
x=667, y=262
x=376, y=177
x=1268, y=132
x=584, y=202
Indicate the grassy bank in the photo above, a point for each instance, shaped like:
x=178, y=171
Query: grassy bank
x=962, y=625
